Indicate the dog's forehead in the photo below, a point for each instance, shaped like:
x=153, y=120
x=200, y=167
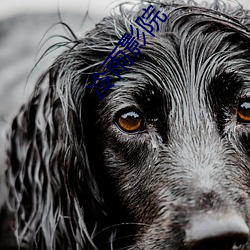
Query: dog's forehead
x=196, y=56
x=190, y=52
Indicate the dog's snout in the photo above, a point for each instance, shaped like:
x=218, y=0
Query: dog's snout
x=217, y=232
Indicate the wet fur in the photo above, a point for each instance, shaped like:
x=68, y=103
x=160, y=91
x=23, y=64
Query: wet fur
x=78, y=182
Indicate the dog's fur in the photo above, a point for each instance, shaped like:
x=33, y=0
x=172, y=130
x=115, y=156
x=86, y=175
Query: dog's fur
x=77, y=181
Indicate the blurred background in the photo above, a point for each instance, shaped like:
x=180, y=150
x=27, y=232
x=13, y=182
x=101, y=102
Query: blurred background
x=25, y=26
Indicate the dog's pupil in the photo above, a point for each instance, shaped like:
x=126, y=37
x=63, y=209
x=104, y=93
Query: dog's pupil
x=244, y=111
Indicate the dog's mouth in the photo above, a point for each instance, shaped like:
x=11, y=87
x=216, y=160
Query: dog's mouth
x=222, y=243
x=222, y=232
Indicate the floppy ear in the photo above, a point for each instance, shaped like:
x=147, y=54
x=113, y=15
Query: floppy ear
x=51, y=186
x=54, y=198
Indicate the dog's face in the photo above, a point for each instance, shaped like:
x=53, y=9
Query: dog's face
x=162, y=162
x=174, y=135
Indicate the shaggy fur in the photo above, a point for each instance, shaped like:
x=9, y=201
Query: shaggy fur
x=77, y=181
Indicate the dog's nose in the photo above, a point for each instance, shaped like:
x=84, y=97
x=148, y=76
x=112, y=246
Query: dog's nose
x=217, y=232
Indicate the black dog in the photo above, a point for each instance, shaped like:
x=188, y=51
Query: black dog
x=162, y=162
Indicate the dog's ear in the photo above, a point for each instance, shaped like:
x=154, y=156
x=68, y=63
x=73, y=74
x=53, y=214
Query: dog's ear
x=51, y=187
x=53, y=196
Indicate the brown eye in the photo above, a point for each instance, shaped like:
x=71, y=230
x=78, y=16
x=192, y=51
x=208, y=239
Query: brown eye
x=243, y=113
x=130, y=121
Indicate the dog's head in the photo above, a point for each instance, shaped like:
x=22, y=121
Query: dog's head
x=162, y=161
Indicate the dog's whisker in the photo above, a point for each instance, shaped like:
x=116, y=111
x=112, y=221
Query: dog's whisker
x=115, y=226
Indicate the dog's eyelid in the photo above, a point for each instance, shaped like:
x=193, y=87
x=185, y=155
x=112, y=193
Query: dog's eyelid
x=244, y=95
x=127, y=109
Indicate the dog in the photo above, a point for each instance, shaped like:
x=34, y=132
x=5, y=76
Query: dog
x=160, y=162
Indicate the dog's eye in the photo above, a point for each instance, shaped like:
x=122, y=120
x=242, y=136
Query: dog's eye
x=130, y=121
x=243, y=113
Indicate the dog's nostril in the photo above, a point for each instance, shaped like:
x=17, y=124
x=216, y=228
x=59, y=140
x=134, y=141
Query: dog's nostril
x=241, y=241
x=223, y=242
x=217, y=232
